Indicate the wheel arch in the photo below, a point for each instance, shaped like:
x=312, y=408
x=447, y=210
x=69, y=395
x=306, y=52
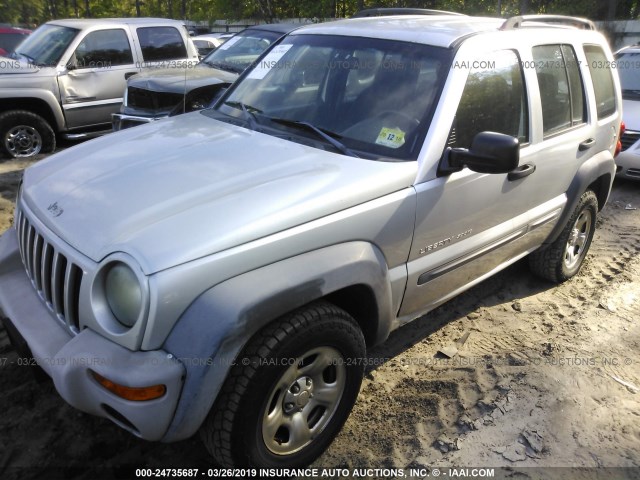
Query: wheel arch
x=35, y=105
x=595, y=174
x=601, y=187
x=216, y=327
x=359, y=301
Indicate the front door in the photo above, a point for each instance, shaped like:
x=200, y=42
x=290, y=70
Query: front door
x=96, y=77
x=469, y=224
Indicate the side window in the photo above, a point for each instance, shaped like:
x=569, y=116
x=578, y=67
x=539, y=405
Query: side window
x=161, y=43
x=602, y=80
x=493, y=100
x=103, y=49
x=561, y=88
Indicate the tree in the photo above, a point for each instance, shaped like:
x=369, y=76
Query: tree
x=26, y=12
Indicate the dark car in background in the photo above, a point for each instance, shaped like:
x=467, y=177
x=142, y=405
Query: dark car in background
x=10, y=38
x=158, y=93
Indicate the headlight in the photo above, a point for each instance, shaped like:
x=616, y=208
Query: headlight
x=124, y=293
x=125, y=97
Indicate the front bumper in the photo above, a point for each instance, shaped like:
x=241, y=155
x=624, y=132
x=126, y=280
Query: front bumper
x=69, y=359
x=120, y=121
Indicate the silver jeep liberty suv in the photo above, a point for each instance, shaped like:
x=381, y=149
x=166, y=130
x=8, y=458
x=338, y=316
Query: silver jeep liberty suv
x=225, y=270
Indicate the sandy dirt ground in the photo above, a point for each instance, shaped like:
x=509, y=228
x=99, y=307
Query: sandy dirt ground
x=548, y=376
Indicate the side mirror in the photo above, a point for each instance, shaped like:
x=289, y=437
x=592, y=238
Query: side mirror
x=72, y=64
x=490, y=152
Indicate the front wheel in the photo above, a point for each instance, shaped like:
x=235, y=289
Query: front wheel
x=25, y=134
x=563, y=258
x=290, y=391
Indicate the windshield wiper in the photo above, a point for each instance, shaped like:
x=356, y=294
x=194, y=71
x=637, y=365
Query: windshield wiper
x=323, y=133
x=248, y=111
x=226, y=67
x=29, y=59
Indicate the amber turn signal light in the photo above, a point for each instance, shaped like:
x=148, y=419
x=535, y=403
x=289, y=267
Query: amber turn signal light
x=136, y=394
x=619, y=144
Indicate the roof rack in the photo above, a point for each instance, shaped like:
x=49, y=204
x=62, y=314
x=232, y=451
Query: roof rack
x=539, y=20
x=383, y=12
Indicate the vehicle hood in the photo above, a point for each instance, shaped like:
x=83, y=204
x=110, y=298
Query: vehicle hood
x=179, y=80
x=190, y=186
x=631, y=114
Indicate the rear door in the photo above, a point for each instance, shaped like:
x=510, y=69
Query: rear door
x=606, y=108
x=165, y=47
x=565, y=131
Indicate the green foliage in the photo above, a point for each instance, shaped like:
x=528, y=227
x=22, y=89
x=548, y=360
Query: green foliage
x=23, y=12
x=30, y=12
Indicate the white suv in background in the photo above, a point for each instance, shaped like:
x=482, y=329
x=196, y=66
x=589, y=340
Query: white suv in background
x=628, y=66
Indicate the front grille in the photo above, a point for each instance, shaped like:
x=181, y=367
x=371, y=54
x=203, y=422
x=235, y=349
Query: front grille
x=628, y=138
x=634, y=172
x=54, y=276
x=155, y=101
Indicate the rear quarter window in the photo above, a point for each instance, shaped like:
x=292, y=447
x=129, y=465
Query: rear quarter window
x=601, y=76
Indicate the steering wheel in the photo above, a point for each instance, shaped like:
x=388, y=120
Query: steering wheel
x=397, y=115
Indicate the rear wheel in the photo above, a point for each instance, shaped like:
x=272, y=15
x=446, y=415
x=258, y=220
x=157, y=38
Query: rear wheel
x=290, y=391
x=25, y=134
x=563, y=258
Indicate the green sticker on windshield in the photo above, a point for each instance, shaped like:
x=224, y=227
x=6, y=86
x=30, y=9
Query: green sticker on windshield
x=390, y=137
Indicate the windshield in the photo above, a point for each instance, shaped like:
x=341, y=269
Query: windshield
x=628, y=65
x=239, y=51
x=376, y=97
x=46, y=45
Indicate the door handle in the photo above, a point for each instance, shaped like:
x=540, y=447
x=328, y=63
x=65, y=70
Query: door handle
x=521, y=171
x=129, y=74
x=587, y=144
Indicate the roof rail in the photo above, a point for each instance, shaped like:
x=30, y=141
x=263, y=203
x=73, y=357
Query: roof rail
x=560, y=20
x=383, y=12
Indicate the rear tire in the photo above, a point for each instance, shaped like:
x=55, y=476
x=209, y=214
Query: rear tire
x=25, y=134
x=563, y=258
x=290, y=391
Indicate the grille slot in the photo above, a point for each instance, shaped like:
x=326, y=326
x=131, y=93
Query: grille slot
x=153, y=101
x=56, y=278
x=629, y=138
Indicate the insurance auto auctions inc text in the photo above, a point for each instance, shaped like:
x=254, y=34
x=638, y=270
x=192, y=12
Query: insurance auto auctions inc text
x=335, y=473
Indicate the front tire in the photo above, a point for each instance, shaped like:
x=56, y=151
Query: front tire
x=25, y=134
x=563, y=258
x=290, y=391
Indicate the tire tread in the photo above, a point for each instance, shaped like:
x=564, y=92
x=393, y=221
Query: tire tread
x=547, y=262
